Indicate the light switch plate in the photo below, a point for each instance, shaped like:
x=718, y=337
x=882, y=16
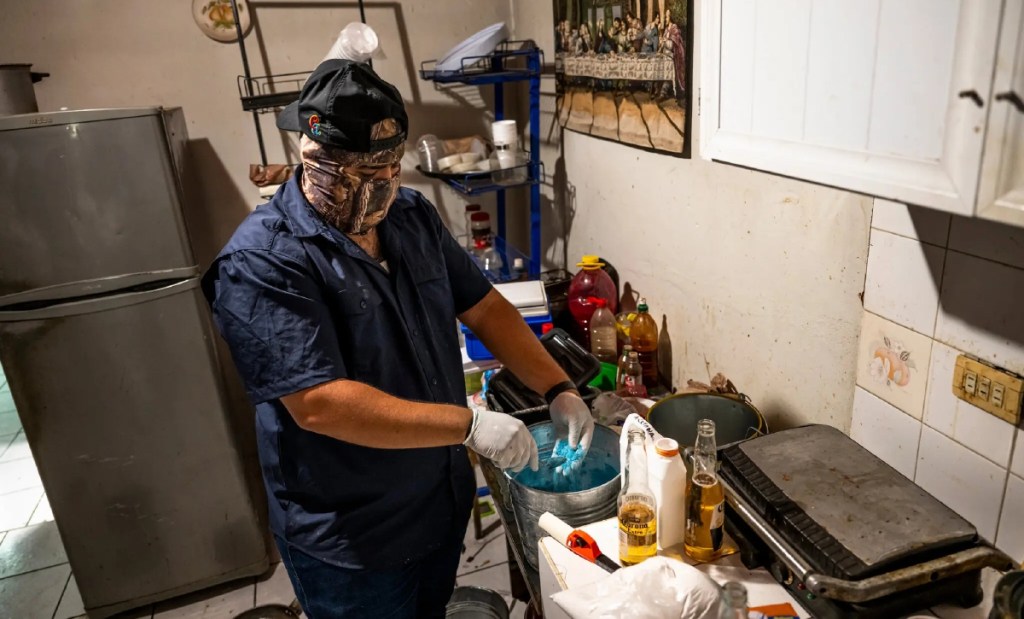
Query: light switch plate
x=991, y=389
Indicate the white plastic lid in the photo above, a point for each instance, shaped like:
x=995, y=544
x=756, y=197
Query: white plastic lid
x=666, y=447
x=504, y=132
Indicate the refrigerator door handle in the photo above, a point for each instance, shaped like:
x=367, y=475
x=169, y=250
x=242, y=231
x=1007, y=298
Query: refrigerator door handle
x=91, y=287
x=99, y=303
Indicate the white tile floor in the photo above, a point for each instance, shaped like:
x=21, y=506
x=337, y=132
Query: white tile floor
x=36, y=580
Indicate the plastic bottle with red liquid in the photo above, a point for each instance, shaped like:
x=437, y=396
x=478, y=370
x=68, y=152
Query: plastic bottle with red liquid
x=590, y=282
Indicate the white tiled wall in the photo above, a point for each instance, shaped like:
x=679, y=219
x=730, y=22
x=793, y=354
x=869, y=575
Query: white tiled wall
x=938, y=286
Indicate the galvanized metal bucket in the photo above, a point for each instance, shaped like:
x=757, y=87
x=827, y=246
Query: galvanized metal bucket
x=575, y=508
x=476, y=603
x=736, y=419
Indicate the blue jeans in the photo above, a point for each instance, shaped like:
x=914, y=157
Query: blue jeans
x=414, y=591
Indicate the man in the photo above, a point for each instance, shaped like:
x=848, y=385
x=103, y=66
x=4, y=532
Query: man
x=339, y=301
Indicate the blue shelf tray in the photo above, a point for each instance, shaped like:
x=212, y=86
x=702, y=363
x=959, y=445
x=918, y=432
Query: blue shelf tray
x=474, y=183
x=508, y=256
x=512, y=61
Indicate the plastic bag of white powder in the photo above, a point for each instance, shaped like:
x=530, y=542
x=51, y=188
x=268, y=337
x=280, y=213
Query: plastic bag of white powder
x=658, y=588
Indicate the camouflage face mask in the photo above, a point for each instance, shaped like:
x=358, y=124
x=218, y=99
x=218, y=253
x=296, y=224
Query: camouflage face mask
x=340, y=184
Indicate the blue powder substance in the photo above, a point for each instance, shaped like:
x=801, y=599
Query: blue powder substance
x=555, y=473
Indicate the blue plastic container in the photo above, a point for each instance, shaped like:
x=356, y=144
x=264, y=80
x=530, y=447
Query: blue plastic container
x=476, y=350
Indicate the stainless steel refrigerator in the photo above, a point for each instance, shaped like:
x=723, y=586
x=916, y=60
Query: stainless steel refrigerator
x=106, y=341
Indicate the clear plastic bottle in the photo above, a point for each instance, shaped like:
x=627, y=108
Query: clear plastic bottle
x=488, y=258
x=590, y=282
x=623, y=362
x=638, y=525
x=705, y=500
x=734, y=601
x=491, y=262
x=643, y=335
x=631, y=379
x=602, y=332
x=668, y=482
x=356, y=41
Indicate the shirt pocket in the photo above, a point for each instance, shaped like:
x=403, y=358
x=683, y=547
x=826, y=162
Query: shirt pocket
x=361, y=329
x=431, y=281
x=356, y=301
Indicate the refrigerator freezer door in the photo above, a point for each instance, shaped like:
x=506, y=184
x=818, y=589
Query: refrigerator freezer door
x=121, y=401
x=89, y=200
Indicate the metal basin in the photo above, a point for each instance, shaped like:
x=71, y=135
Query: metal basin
x=594, y=501
x=476, y=603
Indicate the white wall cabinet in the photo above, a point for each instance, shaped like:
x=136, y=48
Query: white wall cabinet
x=890, y=98
x=1001, y=193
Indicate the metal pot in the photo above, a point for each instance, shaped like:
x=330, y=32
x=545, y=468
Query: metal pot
x=17, y=96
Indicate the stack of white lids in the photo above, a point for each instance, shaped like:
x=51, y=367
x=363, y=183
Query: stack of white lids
x=530, y=298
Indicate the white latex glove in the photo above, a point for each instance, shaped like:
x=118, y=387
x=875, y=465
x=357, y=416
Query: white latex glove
x=573, y=422
x=502, y=439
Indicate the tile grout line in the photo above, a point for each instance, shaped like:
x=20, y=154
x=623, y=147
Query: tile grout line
x=976, y=257
x=35, y=509
x=38, y=569
x=920, y=425
x=1006, y=488
x=62, y=594
x=909, y=238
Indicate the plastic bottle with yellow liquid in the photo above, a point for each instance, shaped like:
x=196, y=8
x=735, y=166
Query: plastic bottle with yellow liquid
x=643, y=335
x=638, y=524
x=705, y=500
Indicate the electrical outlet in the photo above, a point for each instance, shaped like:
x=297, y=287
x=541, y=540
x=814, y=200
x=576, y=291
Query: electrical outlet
x=997, y=395
x=970, y=382
x=991, y=389
x=984, y=386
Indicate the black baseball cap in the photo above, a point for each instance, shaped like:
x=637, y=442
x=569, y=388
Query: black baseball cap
x=339, y=105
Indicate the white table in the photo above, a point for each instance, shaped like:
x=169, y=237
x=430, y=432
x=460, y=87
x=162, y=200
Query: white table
x=560, y=570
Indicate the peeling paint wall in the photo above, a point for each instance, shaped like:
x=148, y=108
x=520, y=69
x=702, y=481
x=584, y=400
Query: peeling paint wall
x=122, y=53
x=756, y=276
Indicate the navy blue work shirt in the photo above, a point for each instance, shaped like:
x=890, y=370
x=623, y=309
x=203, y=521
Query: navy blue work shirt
x=300, y=304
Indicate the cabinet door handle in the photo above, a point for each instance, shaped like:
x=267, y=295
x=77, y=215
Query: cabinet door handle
x=973, y=96
x=1013, y=98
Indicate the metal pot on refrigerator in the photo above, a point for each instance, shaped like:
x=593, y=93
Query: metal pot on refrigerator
x=17, y=94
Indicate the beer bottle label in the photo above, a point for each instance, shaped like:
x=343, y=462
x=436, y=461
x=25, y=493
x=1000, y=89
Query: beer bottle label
x=717, y=530
x=718, y=516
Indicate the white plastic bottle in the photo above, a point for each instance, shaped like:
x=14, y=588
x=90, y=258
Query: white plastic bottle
x=668, y=481
x=356, y=41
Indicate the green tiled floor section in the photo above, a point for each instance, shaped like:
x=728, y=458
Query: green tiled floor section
x=6, y=402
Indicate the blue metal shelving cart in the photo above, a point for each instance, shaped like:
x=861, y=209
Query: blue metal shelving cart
x=512, y=61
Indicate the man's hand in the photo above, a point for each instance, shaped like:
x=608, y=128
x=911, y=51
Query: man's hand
x=573, y=422
x=503, y=439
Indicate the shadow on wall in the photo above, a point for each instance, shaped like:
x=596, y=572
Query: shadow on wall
x=213, y=209
x=288, y=145
x=213, y=204
x=394, y=7
x=963, y=302
x=445, y=121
